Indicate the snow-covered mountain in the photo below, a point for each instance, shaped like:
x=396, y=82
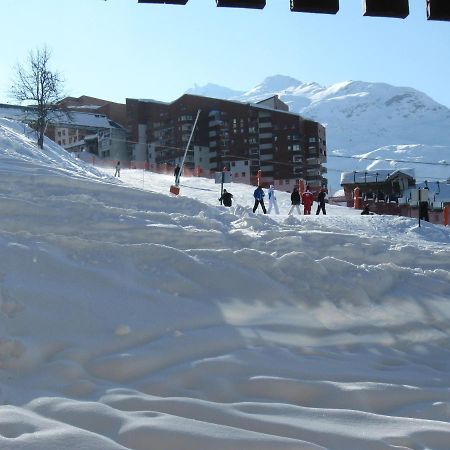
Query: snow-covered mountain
x=362, y=118
x=214, y=90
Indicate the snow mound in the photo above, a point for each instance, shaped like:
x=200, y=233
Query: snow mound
x=132, y=319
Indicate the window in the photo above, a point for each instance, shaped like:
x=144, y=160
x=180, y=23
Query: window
x=297, y=158
x=296, y=147
x=243, y=174
x=312, y=139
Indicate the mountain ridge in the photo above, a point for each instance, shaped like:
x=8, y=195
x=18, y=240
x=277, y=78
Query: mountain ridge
x=363, y=118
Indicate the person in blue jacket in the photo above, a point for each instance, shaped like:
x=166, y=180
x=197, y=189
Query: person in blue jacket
x=259, y=199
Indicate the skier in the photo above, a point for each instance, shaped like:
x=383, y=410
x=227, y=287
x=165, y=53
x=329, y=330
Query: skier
x=295, y=200
x=423, y=211
x=307, y=200
x=226, y=198
x=272, y=200
x=259, y=199
x=321, y=197
x=176, y=173
x=366, y=211
x=117, y=173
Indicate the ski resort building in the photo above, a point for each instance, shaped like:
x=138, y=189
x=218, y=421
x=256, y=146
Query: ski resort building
x=261, y=142
x=77, y=131
x=381, y=185
x=89, y=132
x=395, y=192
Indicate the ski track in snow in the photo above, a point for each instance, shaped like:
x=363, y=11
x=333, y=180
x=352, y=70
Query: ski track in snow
x=132, y=319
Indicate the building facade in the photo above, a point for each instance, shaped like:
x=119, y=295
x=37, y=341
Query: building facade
x=262, y=141
x=78, y=131
x=92, y=132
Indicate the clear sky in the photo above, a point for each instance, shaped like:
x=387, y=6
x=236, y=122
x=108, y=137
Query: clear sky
x=116, y=49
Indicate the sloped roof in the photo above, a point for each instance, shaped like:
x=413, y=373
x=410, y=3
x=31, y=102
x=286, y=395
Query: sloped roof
x=61, y=118
x=260, y=105
x=380, y=176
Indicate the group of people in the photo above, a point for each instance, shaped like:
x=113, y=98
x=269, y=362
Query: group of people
x=306, y=199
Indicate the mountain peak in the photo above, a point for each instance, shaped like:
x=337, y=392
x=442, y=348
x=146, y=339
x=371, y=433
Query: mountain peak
x=280, y=82
x=274, y=84
x=214, y=90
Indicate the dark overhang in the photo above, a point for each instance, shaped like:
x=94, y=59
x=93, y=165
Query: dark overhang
x=435, y=9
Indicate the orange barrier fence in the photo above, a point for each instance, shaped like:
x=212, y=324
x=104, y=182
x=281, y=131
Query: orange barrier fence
x=166, y=169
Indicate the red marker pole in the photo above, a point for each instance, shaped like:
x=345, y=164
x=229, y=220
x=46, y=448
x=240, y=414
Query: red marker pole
x=356, y=198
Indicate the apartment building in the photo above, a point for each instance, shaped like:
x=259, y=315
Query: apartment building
x=77, y=131
x=95, y=133
x=254, y=141
x=114, y=111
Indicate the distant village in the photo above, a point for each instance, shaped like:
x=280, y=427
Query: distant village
x=259, y=143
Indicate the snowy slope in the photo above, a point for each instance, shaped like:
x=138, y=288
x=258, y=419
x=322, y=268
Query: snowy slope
x=131, y=319
x=213, y=90
x=363, y=117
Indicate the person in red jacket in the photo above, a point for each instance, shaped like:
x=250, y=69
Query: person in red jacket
x=307, y=200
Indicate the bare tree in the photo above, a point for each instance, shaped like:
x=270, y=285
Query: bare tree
x=34, y=82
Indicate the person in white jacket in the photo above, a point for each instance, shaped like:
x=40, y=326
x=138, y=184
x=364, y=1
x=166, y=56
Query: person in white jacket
x=273, y=200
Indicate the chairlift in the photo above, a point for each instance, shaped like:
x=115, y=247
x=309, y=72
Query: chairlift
x=438, y=10
x=165, y=2
x=315, y=6
x=386, y=8
x=254, y=4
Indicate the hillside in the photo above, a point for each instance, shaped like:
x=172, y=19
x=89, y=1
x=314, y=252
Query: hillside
x=132, y=319
x=373, y=119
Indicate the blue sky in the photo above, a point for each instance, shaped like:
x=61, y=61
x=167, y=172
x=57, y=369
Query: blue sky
x=116, y=49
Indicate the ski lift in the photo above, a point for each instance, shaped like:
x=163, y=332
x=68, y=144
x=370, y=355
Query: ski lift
x=165, y=2
x=255, y=4
x=386, y=8
x=438, y=10
x=315, y=6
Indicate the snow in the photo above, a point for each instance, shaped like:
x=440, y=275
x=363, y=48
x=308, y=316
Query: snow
x=82, y=119
x=133, y=319
x=365, y=121
x=372, y=177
